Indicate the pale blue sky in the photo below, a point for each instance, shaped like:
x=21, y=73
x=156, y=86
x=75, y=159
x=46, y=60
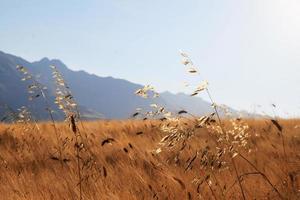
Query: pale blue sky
x=249, y=50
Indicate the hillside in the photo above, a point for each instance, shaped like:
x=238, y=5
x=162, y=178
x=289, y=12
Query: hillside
x=104, y=97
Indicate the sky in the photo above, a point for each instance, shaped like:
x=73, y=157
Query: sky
x=249, y=51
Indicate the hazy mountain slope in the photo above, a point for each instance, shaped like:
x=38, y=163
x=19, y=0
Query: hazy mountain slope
x=113, y=98
x=194, y=105
x=13, y=91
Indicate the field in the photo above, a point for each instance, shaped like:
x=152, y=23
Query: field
x=129, y=160
x=156, y=154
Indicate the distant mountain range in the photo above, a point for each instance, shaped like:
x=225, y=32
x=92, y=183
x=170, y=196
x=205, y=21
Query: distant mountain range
x=98, y=97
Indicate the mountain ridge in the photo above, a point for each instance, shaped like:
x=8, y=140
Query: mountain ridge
x=108, y=96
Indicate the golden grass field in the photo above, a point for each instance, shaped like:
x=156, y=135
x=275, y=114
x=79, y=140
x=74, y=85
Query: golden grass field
x=156, y=154
x=120, y=161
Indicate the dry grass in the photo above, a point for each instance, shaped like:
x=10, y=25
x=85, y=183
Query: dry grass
x=166, y=155
x=119, y=162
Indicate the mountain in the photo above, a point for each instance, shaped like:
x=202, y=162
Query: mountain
x=181, y=101
x=98, y=97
